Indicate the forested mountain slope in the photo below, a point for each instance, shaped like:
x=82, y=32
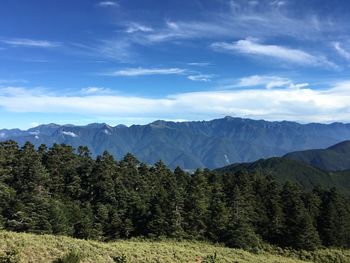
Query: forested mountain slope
x=334, y=158
x=64, y=191
x=285, y=169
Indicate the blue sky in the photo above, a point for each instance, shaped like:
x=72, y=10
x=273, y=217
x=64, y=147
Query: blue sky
x=133, y=62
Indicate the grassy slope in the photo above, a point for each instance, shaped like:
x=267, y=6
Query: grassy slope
x=46, y=248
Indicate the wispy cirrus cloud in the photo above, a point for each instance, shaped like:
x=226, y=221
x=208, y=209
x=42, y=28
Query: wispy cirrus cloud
x=199, y=64
x=242, y=19
x=304, y=105
x=119, y=49
x=201, y=77
x=255, y=48
x=96, y=90
x=342, y=51
x=133, y=72
x=269, y=82
x=12, y=81
x=115, y=49
x=26, y=42
x=108, y=4
x=136, y=27
x=139, y=71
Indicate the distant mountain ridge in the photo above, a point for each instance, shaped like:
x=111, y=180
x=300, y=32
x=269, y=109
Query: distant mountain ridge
x=193, y=144
x=310, y=168
x=284, y=169
x=334, y=158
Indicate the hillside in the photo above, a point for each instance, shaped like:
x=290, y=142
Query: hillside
x=47, y=248
x=190, y=145
x=284, y=169
x=334, y=158
x=59, y=191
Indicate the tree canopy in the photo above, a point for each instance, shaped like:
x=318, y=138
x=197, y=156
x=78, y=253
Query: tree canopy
x=65, y=191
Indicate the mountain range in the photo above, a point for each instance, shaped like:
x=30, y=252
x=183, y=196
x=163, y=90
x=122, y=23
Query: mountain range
x=192, y=144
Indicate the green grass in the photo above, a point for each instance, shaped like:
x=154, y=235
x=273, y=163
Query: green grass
x=45, y=248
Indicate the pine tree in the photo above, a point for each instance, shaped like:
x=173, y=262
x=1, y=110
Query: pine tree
x=103, y=179
x=334, y=220
x=197, y=205
x=240, y=232
x=82, y=219
x=59, y=219
x=219, y=215
x=273, y=223
x=299, y=229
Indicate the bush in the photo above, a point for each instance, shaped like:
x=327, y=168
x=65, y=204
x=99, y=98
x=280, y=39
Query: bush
x=210, y=259
x=120, y=259
x=10, y=256
x=70, y=257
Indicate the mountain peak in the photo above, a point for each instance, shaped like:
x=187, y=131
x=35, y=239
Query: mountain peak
x=161, y=123
x=99, y=126
x=50, y=125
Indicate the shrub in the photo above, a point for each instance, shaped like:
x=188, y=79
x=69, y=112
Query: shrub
x=120, y=259
x=210, y=259
x=10, y=256
x=70, y=257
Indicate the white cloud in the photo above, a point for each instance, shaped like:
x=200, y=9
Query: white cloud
x=254, y=48
x=34, y=124
x=95, y=90
x=305, y=105
x=135, y=27
x=200, y=77
x=71, y=134
x=172, y=25
x=344, y=53
x=278, y=3
x=133, y=72
x=15, y=91
x=12, y=81
x=269, y=82
x=199, y=64
x=108, y=4
x=25, y=42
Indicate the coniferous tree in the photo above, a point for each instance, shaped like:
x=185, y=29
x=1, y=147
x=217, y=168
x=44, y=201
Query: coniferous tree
x=219, y=214
x=334, y=220
x=299, y=229
x=58, y=218
x=240, y=232
x=103, y=179
x=30, y=180
x=197, y=204
x=273, y=223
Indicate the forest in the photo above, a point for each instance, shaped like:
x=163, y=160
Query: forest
x=64, y=191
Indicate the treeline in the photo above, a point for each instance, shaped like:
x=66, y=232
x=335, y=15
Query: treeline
x=64, y=191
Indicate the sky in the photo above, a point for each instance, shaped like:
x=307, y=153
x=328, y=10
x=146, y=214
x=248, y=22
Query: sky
x=133, y=62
